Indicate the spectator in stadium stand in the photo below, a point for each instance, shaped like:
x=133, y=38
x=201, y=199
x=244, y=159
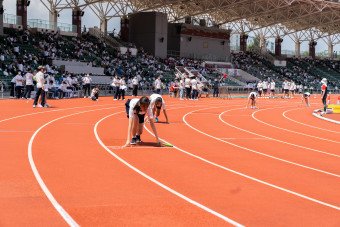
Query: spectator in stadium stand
x=187, y=85
x=29, y=86
x=158, y=85
x=272, y=89
x=135, y=86
x=176, y=88
x=18, y=84
x=116, y=87
x=259, y=88
x=194, y=87
x=12, y=91
x=87, y=85
x=53, y=89
x=40, y=79
x=122, y=88
x=181, y=89
x=216, y=85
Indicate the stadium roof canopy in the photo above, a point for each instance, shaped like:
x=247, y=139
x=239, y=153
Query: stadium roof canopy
x=241, y=15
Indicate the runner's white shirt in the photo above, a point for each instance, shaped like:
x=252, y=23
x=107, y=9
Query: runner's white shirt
x=252, y=93
x=132, y=105
x=39, y=77
x=153, y=98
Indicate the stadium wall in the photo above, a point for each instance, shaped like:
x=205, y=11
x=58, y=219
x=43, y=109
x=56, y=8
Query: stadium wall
x=150, y=31
x=204, y=48
x=198, y=42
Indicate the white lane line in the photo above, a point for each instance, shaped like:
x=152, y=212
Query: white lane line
x=247, y=176
x=254, y=151
x=138, y=147
x=244, y=138
x=42, y=112
x=277, y=140
x=157, y=182
x=298, y=122
x=284, y=129
x=42, y=184
x=14, y=131
x=325, y=119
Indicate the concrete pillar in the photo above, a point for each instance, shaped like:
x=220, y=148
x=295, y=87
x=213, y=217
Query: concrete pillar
x=22, y=12
x=103, y=25
x=278, y=41
x=263, y=47
x=76, y=20
x=124, y=29
x=243, y=42
x=54, y=19
x=312, y=45
x=330, y=50
x=297, y=48
x=1, y=17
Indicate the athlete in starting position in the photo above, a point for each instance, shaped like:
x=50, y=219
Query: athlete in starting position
x=136, y=109
x=252, y=98
x=305, y=98
x=156, y=104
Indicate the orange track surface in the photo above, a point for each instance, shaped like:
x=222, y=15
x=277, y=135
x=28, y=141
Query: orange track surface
x=333, y=116
x=277, y=165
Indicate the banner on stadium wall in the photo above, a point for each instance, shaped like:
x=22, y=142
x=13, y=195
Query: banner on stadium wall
x=280, y=63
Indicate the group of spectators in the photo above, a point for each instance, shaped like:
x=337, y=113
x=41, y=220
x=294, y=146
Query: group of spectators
x=21, y=51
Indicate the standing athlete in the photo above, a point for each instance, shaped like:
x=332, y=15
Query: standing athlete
x=40, y=78
x=324, y=93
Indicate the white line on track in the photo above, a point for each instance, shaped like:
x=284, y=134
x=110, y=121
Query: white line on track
x=277, y=140
x=284, y=129
x=42, y=184
x=241, y=138
x=138, y=147
x=325, y=119
x=247, y=176
x=298, y=122
x=14, y=131
x=42, y=112
x=251, y=150
x=157, y=182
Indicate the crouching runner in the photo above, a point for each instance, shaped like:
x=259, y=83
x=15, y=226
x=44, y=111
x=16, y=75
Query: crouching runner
x=136, y=109
x=156, y=104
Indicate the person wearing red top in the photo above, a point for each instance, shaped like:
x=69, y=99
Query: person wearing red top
x=324, y=93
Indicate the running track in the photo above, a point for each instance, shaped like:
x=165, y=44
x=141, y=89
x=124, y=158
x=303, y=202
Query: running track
x=277, y=165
